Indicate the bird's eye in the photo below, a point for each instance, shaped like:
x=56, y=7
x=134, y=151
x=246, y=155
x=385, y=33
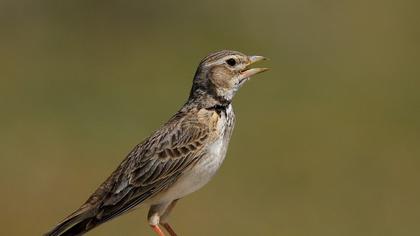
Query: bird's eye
x=231, y=62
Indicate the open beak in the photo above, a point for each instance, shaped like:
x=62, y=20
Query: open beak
x=248, y=72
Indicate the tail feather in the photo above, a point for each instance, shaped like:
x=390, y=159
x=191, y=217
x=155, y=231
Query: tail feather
x=79, y=228
x=75, y=224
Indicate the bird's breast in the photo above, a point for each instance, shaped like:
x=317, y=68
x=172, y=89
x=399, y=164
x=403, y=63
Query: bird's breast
x=214, y=154
x=216, y=151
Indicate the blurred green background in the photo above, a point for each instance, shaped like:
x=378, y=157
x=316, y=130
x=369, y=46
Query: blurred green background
x=326, y=143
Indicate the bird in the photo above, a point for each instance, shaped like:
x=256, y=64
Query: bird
x=178, y=158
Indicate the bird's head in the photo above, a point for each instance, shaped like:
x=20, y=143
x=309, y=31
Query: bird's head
x=222, y=73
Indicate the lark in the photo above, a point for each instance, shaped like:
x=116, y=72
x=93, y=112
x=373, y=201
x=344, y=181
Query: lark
x=177, y=159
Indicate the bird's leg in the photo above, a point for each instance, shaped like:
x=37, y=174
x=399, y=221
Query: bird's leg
x=154, y=216
x=164, y=218
x=169, y=229
x=157, y=230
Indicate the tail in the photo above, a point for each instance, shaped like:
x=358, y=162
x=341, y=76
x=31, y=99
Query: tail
x=76, y=224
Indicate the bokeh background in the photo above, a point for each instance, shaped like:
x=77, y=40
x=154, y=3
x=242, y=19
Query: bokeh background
x=326, y=143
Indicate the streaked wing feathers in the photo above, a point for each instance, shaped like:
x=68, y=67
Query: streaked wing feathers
x=153, y=165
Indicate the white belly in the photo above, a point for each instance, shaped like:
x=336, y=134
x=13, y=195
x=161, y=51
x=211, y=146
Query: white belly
x=199, y=175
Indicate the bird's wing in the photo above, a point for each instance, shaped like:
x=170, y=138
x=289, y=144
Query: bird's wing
x=154, y=165
x=150, y=168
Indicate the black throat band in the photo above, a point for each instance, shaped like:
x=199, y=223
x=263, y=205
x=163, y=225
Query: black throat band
x=221, y=106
